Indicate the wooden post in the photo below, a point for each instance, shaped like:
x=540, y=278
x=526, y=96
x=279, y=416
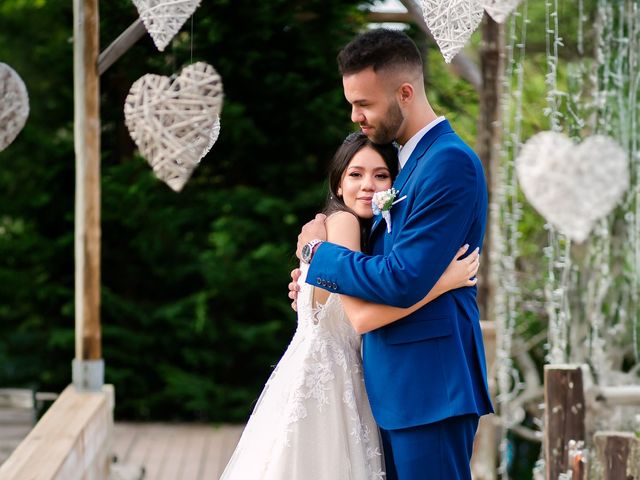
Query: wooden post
x=488, y=144
x=485, y=452
x=88, y=368
x=617, y=456
x=564, y=415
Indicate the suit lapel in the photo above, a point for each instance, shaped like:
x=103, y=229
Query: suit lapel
x=423, y=145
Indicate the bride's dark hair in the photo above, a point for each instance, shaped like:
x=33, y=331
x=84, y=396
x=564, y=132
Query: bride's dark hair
x=353, y=144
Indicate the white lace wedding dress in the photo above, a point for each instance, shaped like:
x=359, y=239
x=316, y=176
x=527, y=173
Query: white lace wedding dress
x=313, y=420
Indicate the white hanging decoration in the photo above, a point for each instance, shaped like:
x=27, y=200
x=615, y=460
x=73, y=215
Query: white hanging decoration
x=500, y=10
x=14, y=105
x=213, y=136
x=451, y=22
x=164, y=18
x=175, y=123
x=572, y=186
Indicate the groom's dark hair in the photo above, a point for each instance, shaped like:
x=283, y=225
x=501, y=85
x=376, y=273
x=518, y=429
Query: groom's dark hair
x=380, y=49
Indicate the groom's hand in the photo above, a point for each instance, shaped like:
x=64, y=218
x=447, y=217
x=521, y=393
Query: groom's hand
x=313, y=230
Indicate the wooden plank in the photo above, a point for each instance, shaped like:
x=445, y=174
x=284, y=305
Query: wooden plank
x=191, y=461
x=617, y=456
x=222, y=441
x=564, y=415
x=158, y=442
x=16, y=398
x=171, y=451
x=124, y=438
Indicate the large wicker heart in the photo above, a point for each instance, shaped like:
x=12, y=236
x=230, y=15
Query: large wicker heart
x=164, y=18
x=14, y=105
x=572, y=186
x=451, y=22
x=175, y=123
x=500, y=9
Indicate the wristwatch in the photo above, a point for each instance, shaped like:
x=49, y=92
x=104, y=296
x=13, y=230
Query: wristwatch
x=308, y=249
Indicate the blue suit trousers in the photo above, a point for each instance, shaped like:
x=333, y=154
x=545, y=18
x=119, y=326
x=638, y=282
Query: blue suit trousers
x=436, y=451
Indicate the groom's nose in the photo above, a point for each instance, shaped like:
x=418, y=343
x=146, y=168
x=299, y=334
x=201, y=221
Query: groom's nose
x=356, y=115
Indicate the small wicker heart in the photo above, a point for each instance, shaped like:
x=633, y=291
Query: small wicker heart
x=14, y=105
x=500, y=9
x=572, y=186
x=175, y=123
x=451, y=22
x=164, y=18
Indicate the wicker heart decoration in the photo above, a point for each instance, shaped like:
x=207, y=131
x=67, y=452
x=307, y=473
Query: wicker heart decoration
x=14, y=105
x=175, y=123
x=572, y=186
x=451, y=22
x=164, y=18
x=500, y=9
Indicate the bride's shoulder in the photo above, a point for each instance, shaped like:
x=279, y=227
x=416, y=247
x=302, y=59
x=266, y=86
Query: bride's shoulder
x=342, y=218
x=343, y=228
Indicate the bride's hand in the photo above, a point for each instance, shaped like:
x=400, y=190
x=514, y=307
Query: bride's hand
x=294, y=288
x=461, y=273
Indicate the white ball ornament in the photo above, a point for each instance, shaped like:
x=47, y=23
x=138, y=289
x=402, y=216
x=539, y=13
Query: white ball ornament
x=14, y=105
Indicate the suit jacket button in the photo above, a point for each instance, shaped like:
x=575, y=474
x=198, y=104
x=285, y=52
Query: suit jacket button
x=335, y=287
x=319, y=281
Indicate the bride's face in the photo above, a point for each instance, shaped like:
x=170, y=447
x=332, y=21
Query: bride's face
x=366, y=174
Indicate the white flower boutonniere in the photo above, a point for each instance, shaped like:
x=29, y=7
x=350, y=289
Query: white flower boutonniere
x=383, y=201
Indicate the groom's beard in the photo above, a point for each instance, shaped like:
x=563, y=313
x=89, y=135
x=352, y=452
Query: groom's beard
x=388, y=129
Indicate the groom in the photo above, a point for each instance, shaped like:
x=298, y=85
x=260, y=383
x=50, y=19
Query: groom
x=425, y=374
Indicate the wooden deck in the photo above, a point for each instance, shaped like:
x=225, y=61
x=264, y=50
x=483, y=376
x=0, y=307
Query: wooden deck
x=169, y=452
x=165, y=451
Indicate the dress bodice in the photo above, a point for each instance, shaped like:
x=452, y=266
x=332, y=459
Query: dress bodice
x=326, y=319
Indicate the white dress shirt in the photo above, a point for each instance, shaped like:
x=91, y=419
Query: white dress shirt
x=407, y=149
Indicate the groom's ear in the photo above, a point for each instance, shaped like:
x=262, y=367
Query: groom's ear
x=405, y=92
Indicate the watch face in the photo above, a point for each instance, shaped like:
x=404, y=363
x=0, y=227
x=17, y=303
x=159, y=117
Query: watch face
x=306, y=252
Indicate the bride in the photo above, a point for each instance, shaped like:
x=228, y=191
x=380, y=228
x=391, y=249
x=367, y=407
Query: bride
x=313, y=420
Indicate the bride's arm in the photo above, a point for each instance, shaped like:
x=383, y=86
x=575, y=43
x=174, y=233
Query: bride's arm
x=343, y=229
x=366, y=316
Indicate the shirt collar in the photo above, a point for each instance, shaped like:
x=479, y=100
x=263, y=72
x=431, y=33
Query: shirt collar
x=408, y=148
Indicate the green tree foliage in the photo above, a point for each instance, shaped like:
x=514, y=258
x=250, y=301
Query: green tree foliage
x=194, y=285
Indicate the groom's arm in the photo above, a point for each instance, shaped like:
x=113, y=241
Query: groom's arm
x=435, y=228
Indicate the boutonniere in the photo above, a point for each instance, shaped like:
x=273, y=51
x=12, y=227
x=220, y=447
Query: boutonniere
x=382, y=202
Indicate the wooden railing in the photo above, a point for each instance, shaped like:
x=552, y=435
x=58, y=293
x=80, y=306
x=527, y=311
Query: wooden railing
x=71, y=441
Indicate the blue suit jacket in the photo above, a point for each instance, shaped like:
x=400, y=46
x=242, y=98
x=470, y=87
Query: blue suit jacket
x=429, y=365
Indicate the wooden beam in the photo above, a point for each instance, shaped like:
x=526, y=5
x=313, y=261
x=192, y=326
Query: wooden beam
x=564, y=415
x=120, y=45
x=87, y=207
x=389, y=17
x=620, y=395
